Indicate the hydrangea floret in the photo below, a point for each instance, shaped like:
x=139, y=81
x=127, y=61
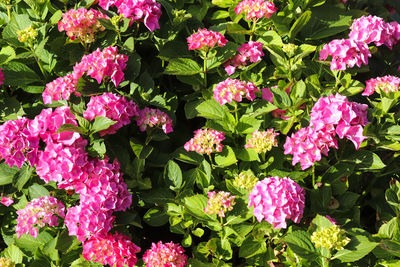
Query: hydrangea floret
x=234, y=90
x=256, y=9
x=262, y=141
x=330, y=238
x=245, y=180
x=205, y=39
x=167, y=255
x=248, y=52
x=219, y=203
x=6, y=201
x=277, y=199
x=150, y=117
x=385, y=84
x=60, y=88
x=205, y=141
x=38, y=213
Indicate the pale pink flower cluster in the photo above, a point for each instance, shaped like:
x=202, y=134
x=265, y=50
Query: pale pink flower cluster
x=146, y=11
x=205, y=39
x=234, y=89
x=251, y=51
x=166, y=255
x=329, y=116
x=112, y=106
x=276, y=199
x=219, y=203
x=18, y=143
x=205, y=141
x=82, y=24
x=1, y=76
x=100, y=65
x=263, y=141
x=38, y=213
x=385, y=84
x=6, y=201
x=256, y=9
x=112, y=249
x=150, y=117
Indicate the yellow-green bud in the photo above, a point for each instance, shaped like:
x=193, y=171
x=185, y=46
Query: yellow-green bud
x=289, y=49
x=5, y=2
x=246, y=180
x=27, y=35
x=116, y=19
x=4, y=262
x=180, y=16
x=330, y=238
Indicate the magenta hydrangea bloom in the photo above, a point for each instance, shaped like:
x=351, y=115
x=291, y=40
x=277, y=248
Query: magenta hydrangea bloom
x=234, y=89
x=277, y=199
x=166, y=255
x=18, y=143
x=386, y=84
x=146, y=11
x=205, y=141
x=112, y=106
x=205, y=39
x=219, y=203
x=6, y=201
x=345, y=53
x=38, y=213
x=256, y=9
x=150, y=117
x=82, y=24
x=251, y=51
x=1, y=76
x=60, y=88
x=112, y=249
x=101, y=65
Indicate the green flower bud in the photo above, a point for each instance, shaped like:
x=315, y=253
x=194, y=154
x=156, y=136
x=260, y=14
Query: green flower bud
x=289, y=49
x=4, y=262
x=330, y=238
x=27, y=35
x=246, y=180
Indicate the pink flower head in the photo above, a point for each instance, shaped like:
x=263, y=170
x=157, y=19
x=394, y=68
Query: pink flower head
x=6, y=201
x=38, y=213
x=391, y=34
x=205, y=141
x=345, y=53
x=263, y=141
x=233, y=89
x=276, y=199
x=368, y=29
x=149, y=117
x=256, y=9
x=102, y=65
x=251, y=51
x=82, y=24
x=112, y=249
x=205, y=39
x=386, y=84
x=60, y=88
x=1, y=76
x=166, y=255
x=112, y=106
x=18, y=143
x=219, y=203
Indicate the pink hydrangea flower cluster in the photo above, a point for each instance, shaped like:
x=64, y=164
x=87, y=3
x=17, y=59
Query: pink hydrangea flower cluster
x=102, y=64
x=1, y=76
x=82, y=24
x=112, y=249
x=276, y=199
x=38, y=213
x=251, y=51
x=234, y=89
x=205, y=141
x=167, y=255
x=256, y=9
x=329, y=116
x=112, y=106
x=18, y=143
x=263, y=141
x=6, y=201
x=146, y=11
x=205, y=39
x=150, y=117
x=385, y=84
x=219, y=203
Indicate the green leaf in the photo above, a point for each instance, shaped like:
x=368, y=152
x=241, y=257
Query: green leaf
x=299, y=24
x=107, y=24
x=366, y=160
x=223, y=3
x=247, y=154
x=28, y=242
x=36, y=191
x=358, y=247
x=65, y=242
x=190, y=157
x=7, y=173
x=195, y=205
x=247, y=125
x=183, y=66
x=321, y=222
x=13, y=253
x=7, y=54
x=155, y=217
x=391, y=229
x=210, y=109
x=101, y=123
x=251, y=247
x=320, y=198
x=300, y=243
x=56, y=17
x=277, y=55
x=270, y=38
x=20, y=75
x=22, y=176
x=69, y=127
x=18, y=22
x=10, y=109
x=226, y=157
x=302, y=51
x=173, y=173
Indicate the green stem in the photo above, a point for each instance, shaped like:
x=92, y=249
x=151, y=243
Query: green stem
x=313, y=177
x=253, y=29
x=8, y=12
x=236, y=111
x=205, y=70
x=211, y=161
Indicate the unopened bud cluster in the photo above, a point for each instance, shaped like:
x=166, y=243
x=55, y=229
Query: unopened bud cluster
x=330, y=238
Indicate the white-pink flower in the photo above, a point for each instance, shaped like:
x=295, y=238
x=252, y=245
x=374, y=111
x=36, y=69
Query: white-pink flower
x=256, y=9
x=385, y=84
x=248, y=52
x=150, y=117
x=166, y=255
x=205, y=39
x=205, y=141
x=234, y=90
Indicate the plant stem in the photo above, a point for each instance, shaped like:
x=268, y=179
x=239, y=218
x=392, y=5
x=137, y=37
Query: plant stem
x=253, y=29
x=211, y=161
x=313, y=177
x=205, y=69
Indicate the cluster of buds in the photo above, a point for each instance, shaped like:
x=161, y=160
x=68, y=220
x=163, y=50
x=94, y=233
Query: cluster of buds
x=205, y=141
x=245, y=180
x=4, y=262
x=330, y=238
x=263, y=141
x=27, y=35
x=219, y=203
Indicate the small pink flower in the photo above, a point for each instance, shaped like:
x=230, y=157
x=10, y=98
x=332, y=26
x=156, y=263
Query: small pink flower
x=149, y=117
x=386, y=84
x=256, y=9
x=205, y=141
x=233, y=89
x=205, y=39
x=219, y=203
x=6, y=201
x=251, y=51
x=276, y=199
x=166, y=255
